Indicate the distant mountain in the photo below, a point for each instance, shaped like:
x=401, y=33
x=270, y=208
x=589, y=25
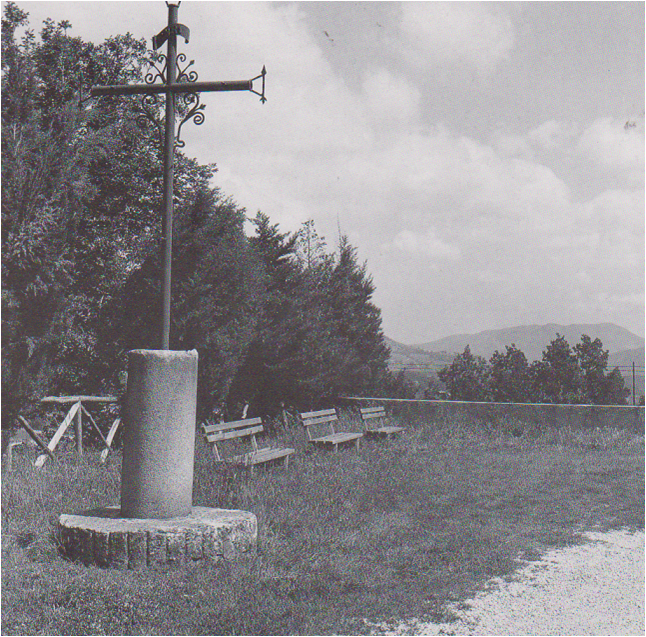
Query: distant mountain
x=624, y=361
x=533, y=339
x=626, y=357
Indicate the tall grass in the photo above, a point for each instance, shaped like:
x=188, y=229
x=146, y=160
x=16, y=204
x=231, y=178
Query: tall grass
x=398, y=529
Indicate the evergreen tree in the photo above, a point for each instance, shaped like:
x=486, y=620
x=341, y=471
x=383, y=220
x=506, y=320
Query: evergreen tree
x=319, y=334
x=592, y=360
x=269, y=373
x=311, y=248
x=614, y=391
x=274, y=317
x=217, y=292
x=357, y=321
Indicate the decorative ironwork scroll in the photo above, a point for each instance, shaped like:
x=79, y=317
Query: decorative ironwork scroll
x=195, y=112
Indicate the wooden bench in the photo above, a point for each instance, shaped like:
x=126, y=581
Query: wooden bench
x=238, y=430
x=326, y=418
x=373, y=420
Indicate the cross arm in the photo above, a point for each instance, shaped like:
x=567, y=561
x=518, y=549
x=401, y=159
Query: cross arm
x=156, y=89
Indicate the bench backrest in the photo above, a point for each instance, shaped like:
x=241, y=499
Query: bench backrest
x=221, y=431
x=324, y=417
x=372, y=413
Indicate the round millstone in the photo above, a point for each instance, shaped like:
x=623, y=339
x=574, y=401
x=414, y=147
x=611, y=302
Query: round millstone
x=102, y=538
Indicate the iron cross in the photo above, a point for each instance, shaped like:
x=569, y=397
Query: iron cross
x=173, y=85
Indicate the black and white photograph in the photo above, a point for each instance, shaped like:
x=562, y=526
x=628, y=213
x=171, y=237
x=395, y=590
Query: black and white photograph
x=323, y=318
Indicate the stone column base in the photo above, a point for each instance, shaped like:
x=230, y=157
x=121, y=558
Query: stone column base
x=102, y=538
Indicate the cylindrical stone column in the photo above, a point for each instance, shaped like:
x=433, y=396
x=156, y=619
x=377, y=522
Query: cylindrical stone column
x=159, y=434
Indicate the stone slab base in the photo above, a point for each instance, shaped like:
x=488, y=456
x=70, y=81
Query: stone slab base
x=102, y=538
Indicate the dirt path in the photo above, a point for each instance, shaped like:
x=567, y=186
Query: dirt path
x=594, y=589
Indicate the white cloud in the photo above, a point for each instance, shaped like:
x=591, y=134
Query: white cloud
x=458, y=181
x=633, y=300
x=583, y=277
x=513, y=146
x=598, y=257
x=616, y=217
x=390, y=98
x=617, y=145
x=615, y=209
x=467, y=33
x=427, y=245
x=517, y=190
x=551, y=135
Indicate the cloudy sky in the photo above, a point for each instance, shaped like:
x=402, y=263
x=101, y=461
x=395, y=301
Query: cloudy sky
x=487, y=160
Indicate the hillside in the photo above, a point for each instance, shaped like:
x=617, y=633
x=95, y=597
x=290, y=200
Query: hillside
x=533, y=339
x=626, y=357
x=416, y=361
x=624, y=361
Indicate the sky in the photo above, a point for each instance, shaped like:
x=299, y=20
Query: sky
x=485, y=159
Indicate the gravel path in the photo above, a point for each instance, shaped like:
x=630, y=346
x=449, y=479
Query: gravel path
x=594, y=589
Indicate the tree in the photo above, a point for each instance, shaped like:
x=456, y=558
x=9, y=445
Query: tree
x=217, y=292
x=319, y=334
x=568, y=376
x=433, y=388
x=274, y=316
x=59, y=250
x=311, y=249
x=397, y=386
x=614, y=391
x=510, y=377
x=468, y=377
x=81, y=195
x=557, y=378
x=270, y=371
x=35, y=264
x=593, y=361
x=357, y=321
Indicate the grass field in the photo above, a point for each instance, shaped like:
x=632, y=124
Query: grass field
x=397, y=530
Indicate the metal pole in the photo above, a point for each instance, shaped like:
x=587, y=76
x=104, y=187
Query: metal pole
x=169, y=156
x=633, y=382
